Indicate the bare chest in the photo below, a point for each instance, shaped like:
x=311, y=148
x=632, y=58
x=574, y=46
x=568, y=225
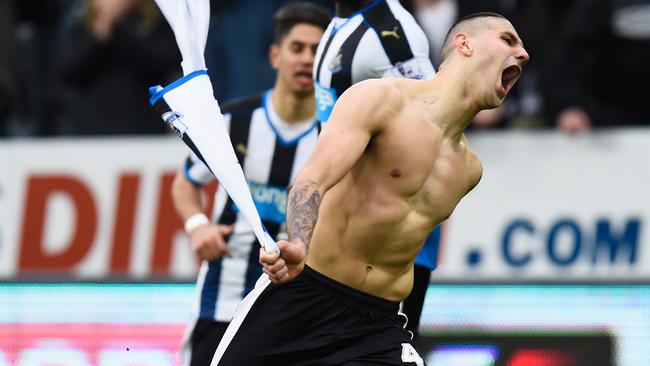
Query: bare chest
x=427, y=171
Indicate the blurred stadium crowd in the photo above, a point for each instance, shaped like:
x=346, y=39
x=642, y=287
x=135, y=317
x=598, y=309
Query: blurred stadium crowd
x=82, y=67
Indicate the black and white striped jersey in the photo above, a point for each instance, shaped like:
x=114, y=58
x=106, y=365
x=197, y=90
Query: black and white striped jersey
x=272, y=152
x=381, y=40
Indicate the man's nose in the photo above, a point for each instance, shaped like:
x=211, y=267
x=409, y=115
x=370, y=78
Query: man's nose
x=522, y=56
x=307, y=56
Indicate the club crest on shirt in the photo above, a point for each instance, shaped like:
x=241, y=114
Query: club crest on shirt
x=335, y=63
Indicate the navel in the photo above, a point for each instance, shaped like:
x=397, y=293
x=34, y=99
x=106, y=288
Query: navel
x=365, y=275
x=395, y=173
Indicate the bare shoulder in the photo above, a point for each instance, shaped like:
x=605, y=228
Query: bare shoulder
x=383, y=85
x=376, y=91
x=374, y=99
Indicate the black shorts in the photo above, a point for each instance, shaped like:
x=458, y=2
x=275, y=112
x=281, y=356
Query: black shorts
x=205, y=337
x=314, y=320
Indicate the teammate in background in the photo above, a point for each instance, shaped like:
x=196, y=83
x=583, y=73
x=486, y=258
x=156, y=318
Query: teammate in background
x=391, y=164
x=273, y=134
x=373, y=39
x=368, y=39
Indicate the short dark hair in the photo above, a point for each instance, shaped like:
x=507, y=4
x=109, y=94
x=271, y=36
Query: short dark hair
x=295, y=13
x=455, y=26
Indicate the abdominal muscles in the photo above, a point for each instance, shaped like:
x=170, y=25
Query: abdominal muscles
x=368, y=243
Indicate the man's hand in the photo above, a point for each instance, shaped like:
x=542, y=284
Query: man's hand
x=288, y=264
x=208, y=241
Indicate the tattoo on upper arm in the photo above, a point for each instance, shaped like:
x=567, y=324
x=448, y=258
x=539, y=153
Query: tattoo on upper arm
x=302, y=211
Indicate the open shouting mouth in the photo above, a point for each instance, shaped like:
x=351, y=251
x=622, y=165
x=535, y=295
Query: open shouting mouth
x=509, y=76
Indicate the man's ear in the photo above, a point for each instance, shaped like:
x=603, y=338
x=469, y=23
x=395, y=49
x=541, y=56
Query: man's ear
x=274, y=54
x=462, y=44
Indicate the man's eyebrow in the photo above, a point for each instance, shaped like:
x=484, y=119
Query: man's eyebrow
x=299, y=43
x=513, y=37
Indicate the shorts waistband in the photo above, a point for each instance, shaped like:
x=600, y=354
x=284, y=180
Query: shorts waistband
x=363, y=299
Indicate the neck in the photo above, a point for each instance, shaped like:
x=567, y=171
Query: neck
x=455, y=102
x=344, y=10
x=293, y=107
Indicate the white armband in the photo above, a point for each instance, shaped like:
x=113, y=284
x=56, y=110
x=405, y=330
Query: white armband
x=195, y=221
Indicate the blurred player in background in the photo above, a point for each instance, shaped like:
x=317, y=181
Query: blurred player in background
x=374, y=39
x=391, y=164
x=273, y=134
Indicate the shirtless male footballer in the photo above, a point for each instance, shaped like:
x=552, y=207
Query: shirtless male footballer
x=391, y=163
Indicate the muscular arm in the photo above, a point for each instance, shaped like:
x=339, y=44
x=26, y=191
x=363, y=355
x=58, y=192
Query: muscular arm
x=361, y=112
x=302, y=211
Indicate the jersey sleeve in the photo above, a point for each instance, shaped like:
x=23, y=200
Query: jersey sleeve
x=196, y=172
